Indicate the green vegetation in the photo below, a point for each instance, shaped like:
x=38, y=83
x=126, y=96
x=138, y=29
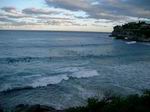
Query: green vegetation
x=133, y=31
x=131, y=103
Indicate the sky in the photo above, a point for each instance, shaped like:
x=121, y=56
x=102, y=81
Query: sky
x=71, y=15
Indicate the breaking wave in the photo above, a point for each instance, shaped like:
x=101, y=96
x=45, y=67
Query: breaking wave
x=73, y=72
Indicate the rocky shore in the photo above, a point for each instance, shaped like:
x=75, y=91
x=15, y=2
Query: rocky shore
x=32, y=108
x=131, y=103
x=133, y=32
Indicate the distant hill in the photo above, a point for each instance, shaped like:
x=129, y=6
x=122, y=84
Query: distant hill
x=133, y=31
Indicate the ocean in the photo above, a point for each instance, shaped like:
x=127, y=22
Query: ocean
x=63, y=69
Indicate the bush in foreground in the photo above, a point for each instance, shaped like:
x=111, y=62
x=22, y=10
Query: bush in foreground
x=131, y=103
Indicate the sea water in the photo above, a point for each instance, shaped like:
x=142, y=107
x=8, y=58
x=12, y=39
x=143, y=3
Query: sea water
x=63, y=69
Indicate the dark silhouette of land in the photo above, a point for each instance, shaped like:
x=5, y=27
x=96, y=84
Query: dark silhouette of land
x=133, y=31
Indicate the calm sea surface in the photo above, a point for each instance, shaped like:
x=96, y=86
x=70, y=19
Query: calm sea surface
x=63, y=69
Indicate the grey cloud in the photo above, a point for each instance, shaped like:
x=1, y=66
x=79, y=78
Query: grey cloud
x=121, y=8
x=53, y=18
x=59, y=22
x=106, y=9
x=38, y=11
x=17, y=16
x=12, y=12
x=145, y=4
x=134, y=8
x=9, y=9
x=73, y=5
x=5, y=19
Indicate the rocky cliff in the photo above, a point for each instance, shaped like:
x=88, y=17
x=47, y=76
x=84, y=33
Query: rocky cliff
x=133, y=31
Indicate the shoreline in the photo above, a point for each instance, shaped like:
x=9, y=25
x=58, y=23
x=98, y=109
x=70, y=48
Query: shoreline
x=110, y=103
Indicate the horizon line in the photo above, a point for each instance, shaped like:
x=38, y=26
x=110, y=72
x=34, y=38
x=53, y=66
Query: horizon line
x=53, y=30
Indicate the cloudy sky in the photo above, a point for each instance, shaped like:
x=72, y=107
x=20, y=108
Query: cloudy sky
x=71, y=15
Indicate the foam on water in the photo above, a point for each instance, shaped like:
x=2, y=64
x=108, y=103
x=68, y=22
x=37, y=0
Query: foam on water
x=131, y=42
x=76, y=73
x=45, y=80
x=49, y=80
x=85, y=73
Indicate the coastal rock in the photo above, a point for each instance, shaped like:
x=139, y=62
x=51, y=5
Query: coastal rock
x=34, y=108
x=1, y=110
x=132, y=31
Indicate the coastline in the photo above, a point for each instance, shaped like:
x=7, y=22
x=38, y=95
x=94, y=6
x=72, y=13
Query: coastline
x=118, y=58
x=132, y=31
x=110, y=103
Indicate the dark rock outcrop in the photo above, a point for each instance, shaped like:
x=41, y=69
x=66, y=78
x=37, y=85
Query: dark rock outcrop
x=34, y=108
x=133, y=31
x=1, y=110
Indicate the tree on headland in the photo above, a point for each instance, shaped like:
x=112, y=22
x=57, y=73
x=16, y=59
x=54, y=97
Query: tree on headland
x=139, y=31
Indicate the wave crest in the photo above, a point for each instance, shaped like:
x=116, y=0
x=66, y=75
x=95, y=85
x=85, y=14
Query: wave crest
x=42, y=81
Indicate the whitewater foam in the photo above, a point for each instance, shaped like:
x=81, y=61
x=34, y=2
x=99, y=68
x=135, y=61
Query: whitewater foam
x=76, y=73
x=41, y=81
x=85, y=73
x=49, y=80
x=131, y=42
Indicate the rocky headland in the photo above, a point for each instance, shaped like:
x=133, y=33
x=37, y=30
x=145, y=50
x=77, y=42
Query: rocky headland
x=132, y=31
